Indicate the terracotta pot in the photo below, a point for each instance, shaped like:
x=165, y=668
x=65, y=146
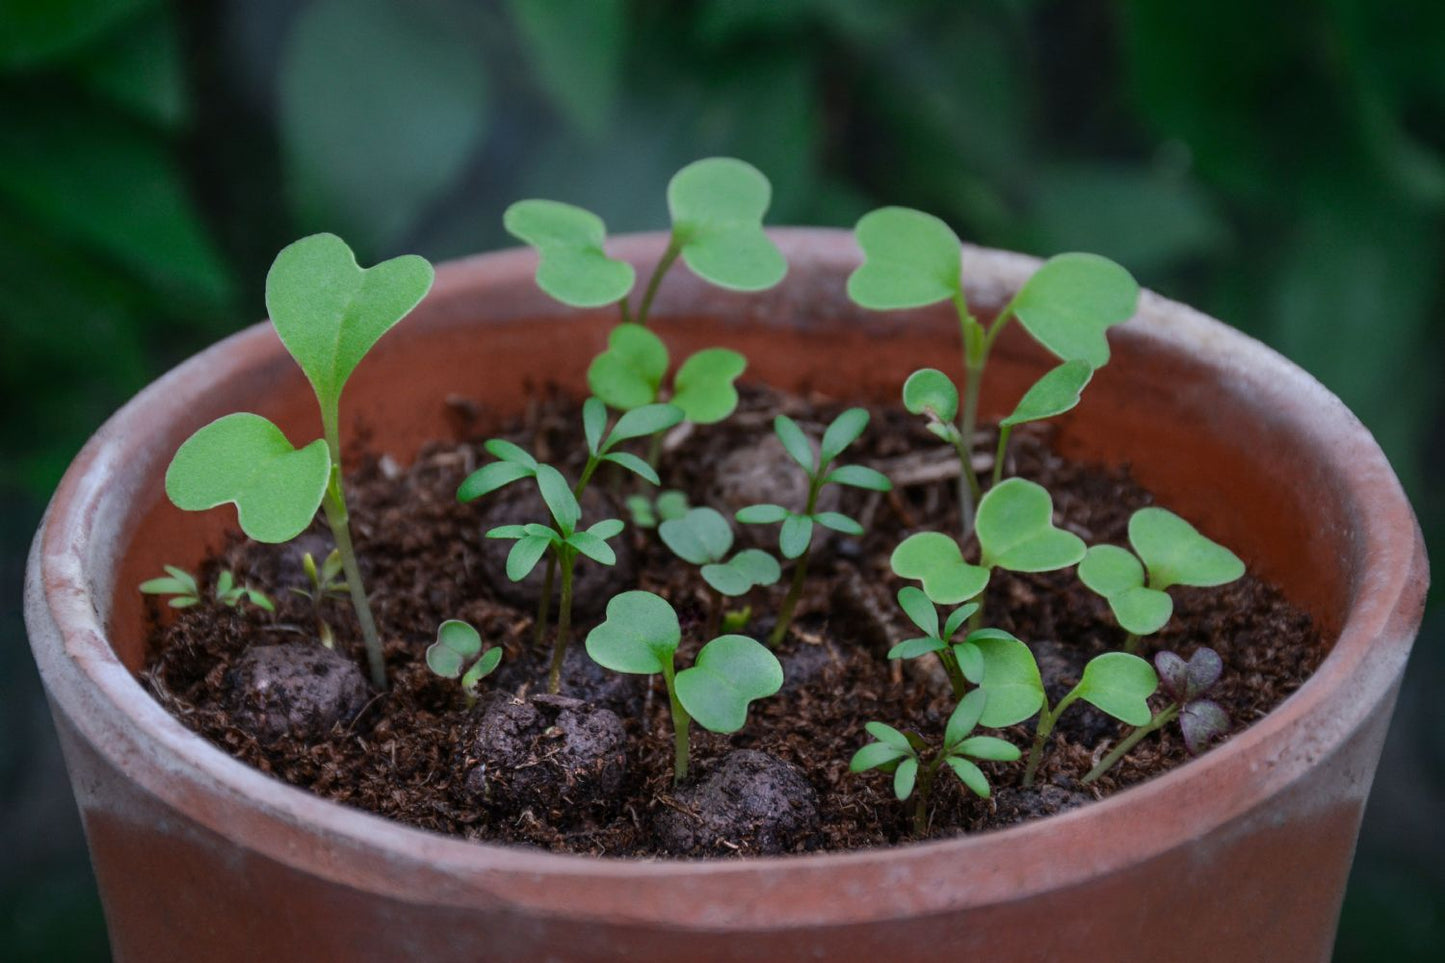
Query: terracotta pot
x=1240, y=855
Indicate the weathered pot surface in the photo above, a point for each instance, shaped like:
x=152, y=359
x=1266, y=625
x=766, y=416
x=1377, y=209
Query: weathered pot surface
x=1240, y=855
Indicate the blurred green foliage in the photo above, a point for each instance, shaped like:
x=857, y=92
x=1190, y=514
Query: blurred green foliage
x=1280, y=165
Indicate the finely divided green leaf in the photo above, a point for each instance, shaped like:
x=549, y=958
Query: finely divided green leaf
x=717, y=207
x=911, y=259
x=572, y=266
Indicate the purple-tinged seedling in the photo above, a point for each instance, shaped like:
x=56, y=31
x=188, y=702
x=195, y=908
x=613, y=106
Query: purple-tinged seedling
x=457, y=654
x=185, y=590
x=796, y=536
x=1201, y=720
x=703, y=537
x=915, y=768
x=640, y=636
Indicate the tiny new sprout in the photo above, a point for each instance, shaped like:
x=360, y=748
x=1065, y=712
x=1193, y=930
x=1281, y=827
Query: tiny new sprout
x=513, y=464
x=1015, y=531
x=185, y=591
x=703, y=537
x=1172, y=552
x=1185, y=683
x=796, y=537
x=328, y=312
x=914, y=769
x=565, y=541
x=457, y=652
x=650, y=512
x=717, y=206
x=641, y=635
x=962, y=662
x=913, y=259
x=326, y=583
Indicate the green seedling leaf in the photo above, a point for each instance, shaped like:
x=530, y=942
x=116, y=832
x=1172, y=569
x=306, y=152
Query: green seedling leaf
x=904, y=778
x=929, y=390
x=1070, y=303
x=842, y=432
x=859, y=476
x=990, y=748
x=525, y=554
x=1119, y=684
x=639, y=636
x=730, y=672
x=970, y=661
x=1176, y=554
x=957, y=617
x=970, y=775
x=328, y=311
x=480, y=669
x=634, y=464
x=913, y=648
x=594, y=424
x=1015, y=528
x=701, y=537
x=911, y=259
x=1118, y=576
x=457, y=643
x=643, y=421
x=559, y=498
x=717, y=206
x=607, y=528
x=1010, y=677
x=761, y=514
x=876, y=755
x=1056, y=392
x=177, y=582
x=795, y=443
x=647, y=513
x=888, y=735
x=795, y=536
x=1186, y=681
x=593, y=547
x=245, y=460
x=747, y=569
x=489, y=478
x=838, y=522
x=671, y=504
x=506, y=451
x=963, y=718
x=641, y=510
x=629, y=373
x=936, y=560
x=703, y=386
x=572, y=266
x=920, y=611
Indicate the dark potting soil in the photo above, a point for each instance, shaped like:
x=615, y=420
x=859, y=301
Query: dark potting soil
x=592, y=772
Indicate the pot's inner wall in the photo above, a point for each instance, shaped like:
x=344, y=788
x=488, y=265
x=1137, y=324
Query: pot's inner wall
x=1217, y=452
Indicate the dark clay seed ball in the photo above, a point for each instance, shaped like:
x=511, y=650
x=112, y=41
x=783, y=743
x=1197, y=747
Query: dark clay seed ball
x=554, y=753
x=300, y=689
x=750, y=801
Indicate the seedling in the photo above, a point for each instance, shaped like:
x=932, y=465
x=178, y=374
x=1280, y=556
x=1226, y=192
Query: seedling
x=914, y=768
x=1015, y=532
x=326, y=583
x=514, y=463
x=913, y=259
x=641, y=635
x=328, y=312
x=650, y=512
x=185, y=591
x=717, y=206
x=1172, y=552
x=703, y=537
x=457, y=653
x=796, y=537
x=962, y=662
x=565, y=541
x=1201, y=720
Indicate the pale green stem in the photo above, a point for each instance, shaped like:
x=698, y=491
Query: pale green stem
x=681, y=721
x=564, y=624
x=1131, y=643
x=800, y=571
x=1165, y=715
x=999, y=454
x=1041, y=735
x=714, y=614
x=674, y=248
x=926, y=778
x=333, y=504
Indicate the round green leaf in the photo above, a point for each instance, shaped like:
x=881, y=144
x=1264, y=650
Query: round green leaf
x=572, y=266
x=910, y=259
x=796, y=535
x=443, y=661
x=639, y=636
x=1010, y=677
x=929, y=389
x=1119, y=684
x=745, y=570
x=970, y=775
x=328, y=311
x=701, y=537
x=1176, y=554
x=628, y=374
x=671, y=504
x=1142, y=610
x=936, y=560
x=1109, y=569
x=459, y=637
x=1055, y=393
x=717, y=206
x=730, y=672
x=1070, y=303
x=246, y=460
x=842, y=432
x=1016, y=530
x=703, y=386
x=920, y=611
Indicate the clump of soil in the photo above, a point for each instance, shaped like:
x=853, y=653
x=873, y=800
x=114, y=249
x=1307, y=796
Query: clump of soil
x=514, y=770
x=298, y=690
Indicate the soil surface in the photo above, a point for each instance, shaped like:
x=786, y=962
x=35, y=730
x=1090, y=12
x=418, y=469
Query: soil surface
x=592, y=772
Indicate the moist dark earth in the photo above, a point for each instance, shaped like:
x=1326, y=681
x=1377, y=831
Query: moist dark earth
x=591, y=771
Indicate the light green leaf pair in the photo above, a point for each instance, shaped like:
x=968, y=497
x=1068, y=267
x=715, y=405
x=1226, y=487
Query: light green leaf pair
x=717, y=206
x=703, y=537
x=1119, y=684
x=572, y=266
x=457, y=648
x=650, y=512
x=637, y=423
x=513, y=463
x=936, y=560
x=630, y=372
x=1015, y=529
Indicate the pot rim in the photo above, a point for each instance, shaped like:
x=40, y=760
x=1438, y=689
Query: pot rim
x=99, y=697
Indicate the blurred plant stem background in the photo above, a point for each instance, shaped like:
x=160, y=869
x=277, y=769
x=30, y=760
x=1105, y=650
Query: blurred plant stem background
x=1280, y=165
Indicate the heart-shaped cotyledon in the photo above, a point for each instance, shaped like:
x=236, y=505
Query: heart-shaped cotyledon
x=936, y=560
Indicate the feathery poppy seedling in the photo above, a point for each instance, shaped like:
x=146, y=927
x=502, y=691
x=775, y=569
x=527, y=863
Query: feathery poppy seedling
x=185, y=591
x=796, y=537
x=457, y=653
x=1172, y=553
x=914, y=768
x=913, y=259
x=1201, y=720
x=326, y=583
x=641, y=635
x=704, y=537
x=328, y=312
